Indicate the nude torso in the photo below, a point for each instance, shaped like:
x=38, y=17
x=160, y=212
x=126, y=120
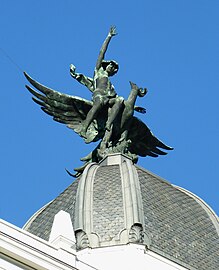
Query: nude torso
x=102, y=84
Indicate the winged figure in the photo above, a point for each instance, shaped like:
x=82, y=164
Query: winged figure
x=128, y=135
x=107, y=118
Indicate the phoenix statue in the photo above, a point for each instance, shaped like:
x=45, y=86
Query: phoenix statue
x=107, y=118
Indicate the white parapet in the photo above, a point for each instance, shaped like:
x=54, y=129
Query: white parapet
x=62, y=233
x=128, y=257
x=20, y=250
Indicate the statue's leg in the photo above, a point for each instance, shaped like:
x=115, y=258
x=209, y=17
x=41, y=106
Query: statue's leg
x=106, y=139
x=97, y=105
x=123, y=136
x=117, y=104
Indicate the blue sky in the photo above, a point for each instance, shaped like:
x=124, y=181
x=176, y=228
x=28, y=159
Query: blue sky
x=171, y=47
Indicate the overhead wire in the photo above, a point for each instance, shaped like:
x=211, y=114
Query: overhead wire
x=11, y=60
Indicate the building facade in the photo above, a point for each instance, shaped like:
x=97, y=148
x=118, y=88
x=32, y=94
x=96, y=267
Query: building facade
x=116, y=215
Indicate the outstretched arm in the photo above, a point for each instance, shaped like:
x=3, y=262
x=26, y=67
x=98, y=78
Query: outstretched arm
x=86, y=81
x=112, y=32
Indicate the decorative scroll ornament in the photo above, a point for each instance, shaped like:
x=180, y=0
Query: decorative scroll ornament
x=136, y=234
x=81, y=240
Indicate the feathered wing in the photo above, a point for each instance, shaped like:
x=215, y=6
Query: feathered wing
x=143, y=142
x=66, y=109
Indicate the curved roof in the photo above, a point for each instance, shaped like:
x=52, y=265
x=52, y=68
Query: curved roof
x=123, y=200
x=40, y=223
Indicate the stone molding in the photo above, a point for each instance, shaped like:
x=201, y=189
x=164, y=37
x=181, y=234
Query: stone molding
x=83, y=207
x=133, y=215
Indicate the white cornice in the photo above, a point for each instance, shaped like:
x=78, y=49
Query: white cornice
x=33, y=251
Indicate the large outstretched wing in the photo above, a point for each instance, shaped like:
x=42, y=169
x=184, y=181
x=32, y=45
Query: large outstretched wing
x=143, y=142
x=66, y=109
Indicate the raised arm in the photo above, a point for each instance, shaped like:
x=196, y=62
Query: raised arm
x=112, y=32
x=86, y=81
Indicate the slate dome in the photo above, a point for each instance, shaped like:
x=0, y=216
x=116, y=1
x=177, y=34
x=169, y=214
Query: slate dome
x=115, y=202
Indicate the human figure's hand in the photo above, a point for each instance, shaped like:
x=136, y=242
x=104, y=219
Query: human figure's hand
x=112, y=31
x=72, y=69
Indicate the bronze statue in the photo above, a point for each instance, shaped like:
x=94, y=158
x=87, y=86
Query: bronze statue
x=108, y=117
x=104, y=93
